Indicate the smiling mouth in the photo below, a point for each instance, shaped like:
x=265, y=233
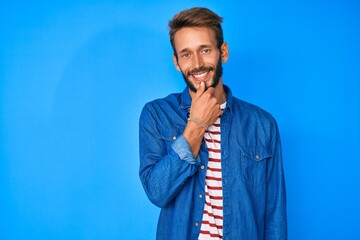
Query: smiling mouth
x=200, y=76
x=201, y=73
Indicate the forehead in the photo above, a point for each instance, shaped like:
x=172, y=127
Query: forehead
x=193, y=38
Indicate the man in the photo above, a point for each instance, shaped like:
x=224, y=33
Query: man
x=210, y=161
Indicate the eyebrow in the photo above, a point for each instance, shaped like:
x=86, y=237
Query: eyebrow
x=200, y=47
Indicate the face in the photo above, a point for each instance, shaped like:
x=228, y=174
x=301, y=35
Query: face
x=199, y=59
x=195, y=72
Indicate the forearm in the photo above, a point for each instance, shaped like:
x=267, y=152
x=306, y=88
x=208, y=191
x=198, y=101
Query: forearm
x=166, y=178
x=163, y=177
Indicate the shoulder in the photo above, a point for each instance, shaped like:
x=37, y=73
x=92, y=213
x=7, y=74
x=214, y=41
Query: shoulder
x=255, y=122
x=249, y=108
x=245, y=110
x=252, y=112
x=157, y=108
x=170, y=100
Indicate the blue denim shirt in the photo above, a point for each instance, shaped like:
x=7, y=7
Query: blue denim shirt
x=254, y=200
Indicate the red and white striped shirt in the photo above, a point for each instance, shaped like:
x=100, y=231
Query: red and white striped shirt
x=212, y=221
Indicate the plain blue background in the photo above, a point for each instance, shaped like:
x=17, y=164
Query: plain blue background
x=74, y=76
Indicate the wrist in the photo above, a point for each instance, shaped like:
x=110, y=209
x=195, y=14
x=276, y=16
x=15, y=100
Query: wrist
x=199, y=122
x=193, y=131
x=194, y=134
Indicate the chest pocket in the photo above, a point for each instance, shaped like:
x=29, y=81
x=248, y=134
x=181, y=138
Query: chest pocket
x=254, y=162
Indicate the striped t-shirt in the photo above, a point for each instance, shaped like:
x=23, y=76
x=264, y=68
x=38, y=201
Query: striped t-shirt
x=212, y=221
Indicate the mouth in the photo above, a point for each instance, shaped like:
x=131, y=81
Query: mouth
x=200, y=74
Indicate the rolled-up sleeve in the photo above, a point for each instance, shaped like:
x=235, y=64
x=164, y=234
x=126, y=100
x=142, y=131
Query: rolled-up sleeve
x=182, y=148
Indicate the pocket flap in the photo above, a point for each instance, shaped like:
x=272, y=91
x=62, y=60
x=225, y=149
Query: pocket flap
x=256, y=153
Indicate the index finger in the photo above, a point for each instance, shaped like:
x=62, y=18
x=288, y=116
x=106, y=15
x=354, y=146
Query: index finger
x=200, y=90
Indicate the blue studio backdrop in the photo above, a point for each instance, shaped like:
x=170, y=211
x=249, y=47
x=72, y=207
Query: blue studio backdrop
x=74, y=76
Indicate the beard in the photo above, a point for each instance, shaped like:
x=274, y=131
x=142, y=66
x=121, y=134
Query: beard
x=215, y=80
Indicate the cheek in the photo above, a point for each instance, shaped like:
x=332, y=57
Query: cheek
x=184, y=64
x=185, y=68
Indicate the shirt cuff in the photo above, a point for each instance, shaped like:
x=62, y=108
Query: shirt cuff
x=182, y=148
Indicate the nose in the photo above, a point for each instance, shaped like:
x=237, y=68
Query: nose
x=197, y=61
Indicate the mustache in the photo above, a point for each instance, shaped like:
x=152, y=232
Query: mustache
x=200, y=69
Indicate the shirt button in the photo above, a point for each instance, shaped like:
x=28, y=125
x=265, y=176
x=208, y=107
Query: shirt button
x=257, y=156
x=197, y=224
x=174, y=137
x=200, y=195
x=202, y=166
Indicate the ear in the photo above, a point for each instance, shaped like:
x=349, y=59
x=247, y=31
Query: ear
x=176, y=63
x=224, y=52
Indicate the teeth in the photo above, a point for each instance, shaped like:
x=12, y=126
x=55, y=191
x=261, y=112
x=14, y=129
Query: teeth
x=200, y=75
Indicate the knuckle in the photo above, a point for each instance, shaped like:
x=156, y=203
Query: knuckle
x=213, y=101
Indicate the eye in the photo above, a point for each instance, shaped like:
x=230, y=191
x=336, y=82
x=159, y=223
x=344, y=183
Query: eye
x=205, y=51
x=186, y=55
